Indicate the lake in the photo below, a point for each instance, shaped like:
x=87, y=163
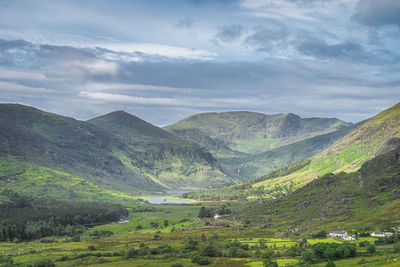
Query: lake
x=164, y=200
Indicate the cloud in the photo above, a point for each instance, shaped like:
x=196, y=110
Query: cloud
x=131, y=87
x=229, y=33
x=7, y=74
x=265, y=38
x=86, y=68
x=347, y=50
x=223, y=2
x=160, y=50
x=185, y=23
x=378, y=12
x=15, y=89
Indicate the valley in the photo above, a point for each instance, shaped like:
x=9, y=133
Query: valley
x=118, y=191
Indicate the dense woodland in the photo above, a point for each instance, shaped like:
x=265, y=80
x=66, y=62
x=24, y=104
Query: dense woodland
x=24, y=218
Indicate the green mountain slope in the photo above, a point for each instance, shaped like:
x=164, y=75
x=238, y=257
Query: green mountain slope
x=127, y=154
x=252, y=143
x=376, y=136
x=367, y=197
x=251, y=132
x=168, y=160
x=258, y=164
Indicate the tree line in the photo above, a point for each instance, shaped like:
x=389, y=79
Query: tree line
x=23, y=218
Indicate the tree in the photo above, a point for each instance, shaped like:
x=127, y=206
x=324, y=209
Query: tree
x=371, y=249
x=131, y=253
x=201, y=260
x=203, y=237
x=330, y=264
x=396, y=248
x=165, y=222
x=320, y=234
x=202, y=212
x=139, y=227
x=270, y=263
x=307, y=257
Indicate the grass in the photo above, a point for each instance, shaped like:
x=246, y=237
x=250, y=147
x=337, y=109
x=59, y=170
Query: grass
x=125, y=237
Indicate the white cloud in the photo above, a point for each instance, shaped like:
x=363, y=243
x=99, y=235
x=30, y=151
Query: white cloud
x=161, y=50
x=131, y=87
x=7, y=88
x=83, y=68
x=21, y=75
x=176, y=102
x=118, y=98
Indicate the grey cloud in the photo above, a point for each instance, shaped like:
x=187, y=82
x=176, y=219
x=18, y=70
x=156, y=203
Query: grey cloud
x=264, y=38
x=185, y=23
x=224, y=2
x=378, y=12
x=229, y=33
x=165, y=90
x=346, y=51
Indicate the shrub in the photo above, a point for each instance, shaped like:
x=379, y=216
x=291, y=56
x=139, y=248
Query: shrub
x=91, y=248
x=396, y=248
x=131, y=253
x=44, y=263
x=76, y=238
x=177, y=265
x=270, y=263
x=371, y=249
x=201, y=260
x=330, y=264
x=210, y=251
x=320, y=234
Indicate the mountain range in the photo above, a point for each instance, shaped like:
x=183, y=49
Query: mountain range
x=117, y=151
x=371, y=138
x=47, y=154
x=253, y=143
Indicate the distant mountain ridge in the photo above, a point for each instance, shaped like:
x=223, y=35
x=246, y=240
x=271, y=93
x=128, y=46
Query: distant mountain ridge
x=117, y=150
x=254, y=143
x=372, y=138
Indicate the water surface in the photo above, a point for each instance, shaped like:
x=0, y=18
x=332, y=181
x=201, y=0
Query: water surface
x=164, y=200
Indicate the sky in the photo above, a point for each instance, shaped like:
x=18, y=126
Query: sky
x=163, y=60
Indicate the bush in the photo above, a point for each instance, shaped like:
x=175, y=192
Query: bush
x=201, y=260
x=44, y=263
x=210, y=251
x=396, y=248
x=320, y=234
x=330, y=264
x=371, y=249
x=307, y=257
x=177, y=265
x=6, y=261
x=131, y=253
x=76, y=238
x=270, y=263
x=91, y=248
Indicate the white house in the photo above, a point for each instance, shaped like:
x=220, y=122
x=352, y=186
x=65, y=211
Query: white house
x=348, y=238
x=381, y=234
x=337, y=233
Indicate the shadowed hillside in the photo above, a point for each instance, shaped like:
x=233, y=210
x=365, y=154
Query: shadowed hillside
x=118, y=151
x=253, y=144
